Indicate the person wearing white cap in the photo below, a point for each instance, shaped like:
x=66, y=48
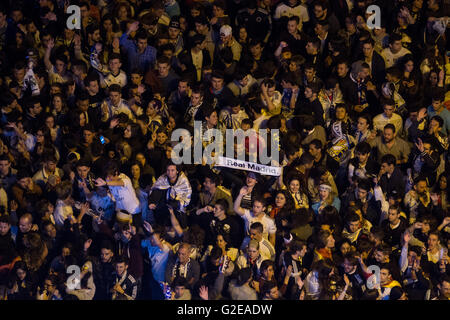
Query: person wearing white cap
x=227, y=40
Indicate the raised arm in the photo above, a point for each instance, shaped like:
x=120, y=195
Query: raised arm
x=175, y=223
x=237, y=203
x=124, y=41
x=48, y=50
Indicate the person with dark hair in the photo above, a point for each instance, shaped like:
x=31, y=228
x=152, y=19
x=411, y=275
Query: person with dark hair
x=437, y=108
x=266, y=249
x=218, y=94
x=111, y=74
x=411, y=270
x=362, y=165
x=123, y=283
x=375, y=61
x=363, y=128
x=140, y=54
x=354, y=228
x=395, y=51
x=390, y=178
x=425, y=160
x=240, y=288
x=256, y=20
x=388, y=116
x=394, y=226
x=390, y=143
x=322, y=12
x=122, y=190
x=369, y=203
x=171, y=190
x=329, y=96
x=312, y=131
x=257, y=214
x=443, y=292
x=293, y=264
x=313, y=106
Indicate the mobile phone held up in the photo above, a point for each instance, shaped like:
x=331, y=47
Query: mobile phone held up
x=102, y=139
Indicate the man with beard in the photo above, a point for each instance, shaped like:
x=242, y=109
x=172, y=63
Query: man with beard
x=179, y=99
x=418, y=201
x=389, y=143
x=321, y=13
x=105, y=272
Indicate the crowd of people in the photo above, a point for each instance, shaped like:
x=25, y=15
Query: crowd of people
x=93, y=207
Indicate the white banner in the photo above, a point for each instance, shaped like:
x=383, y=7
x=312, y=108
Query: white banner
x=248, y=166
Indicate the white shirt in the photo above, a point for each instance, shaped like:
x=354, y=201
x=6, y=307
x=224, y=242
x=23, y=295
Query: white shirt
x=391, y=58
x=125, y=196
x=61, y=213
x=267, y=222
x=381, y=120
x=300, y=11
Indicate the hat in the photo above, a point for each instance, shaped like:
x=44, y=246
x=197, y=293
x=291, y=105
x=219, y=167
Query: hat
x=226, y=30
x=252, y=175
x=174, y=24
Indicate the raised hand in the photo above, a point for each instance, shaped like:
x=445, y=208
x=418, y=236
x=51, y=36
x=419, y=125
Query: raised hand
x=147, y=226
x=114, y=123
x=133, y=27
x=50, y=44
x=419, y=145
x=406, y=237
x=99, y=182
x=243, y=191
x=203, y=292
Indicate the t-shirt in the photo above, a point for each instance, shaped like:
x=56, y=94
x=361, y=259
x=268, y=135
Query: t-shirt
x=267, y=222
x=158, y=258
x=125, y=196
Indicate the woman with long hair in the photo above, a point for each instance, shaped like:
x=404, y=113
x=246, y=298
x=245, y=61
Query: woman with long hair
x=59, y=109
x=35, y=252
x=324, y=245
x=109, y=28
x=441, y=191
x=22, y=285
x=223, y=242
x=44, y=145
x=411, y=82
x=297, y=194
x=135, y=174
x=133, y=136
x=326, y=198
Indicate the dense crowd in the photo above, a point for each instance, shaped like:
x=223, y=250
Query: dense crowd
x=93, y=206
